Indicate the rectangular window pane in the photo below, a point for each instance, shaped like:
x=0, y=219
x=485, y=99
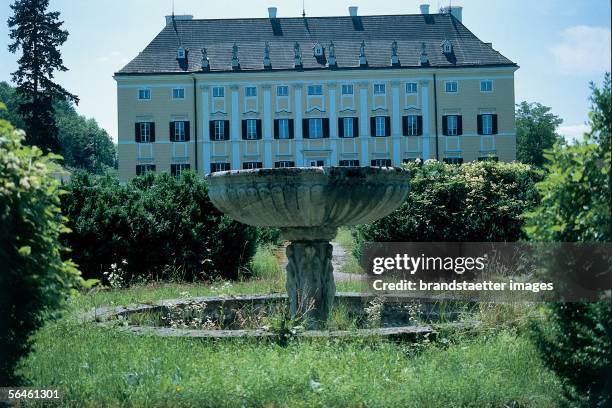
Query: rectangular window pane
x=251, y=129
x=411, y=87
x=282, y=91
x=315, y=128
x=214, y=167
x=144, y=94
x=487, y=124
x=283, y=128
x=379, y=89
x=349, y=163
x=145, y=132
x=348, y=127
x=219, y=130
x=347, y=89
x=178, y=93
x=218, y=92
x=380, y=126
x=452, y=125
x=251, y=165
x=412, y=125
x=315, y=90
x=284, y=164
x=381, y=163
x=250, y=91
x=179, y=131
x=486, y=86
x=451, y=86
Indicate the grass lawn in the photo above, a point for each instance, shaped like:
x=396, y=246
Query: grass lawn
x=101, y=367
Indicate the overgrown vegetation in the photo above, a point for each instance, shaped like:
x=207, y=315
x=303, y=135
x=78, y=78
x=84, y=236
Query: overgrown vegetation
x=34, y=281
x=536, y=131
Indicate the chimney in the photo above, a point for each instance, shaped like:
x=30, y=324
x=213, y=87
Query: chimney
x=272, y=12
x=353, y=11
x=456, y=11
x=178, y=18
x=424, y=8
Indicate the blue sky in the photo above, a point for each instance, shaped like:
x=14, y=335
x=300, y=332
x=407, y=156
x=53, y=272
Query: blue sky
x=560, y=45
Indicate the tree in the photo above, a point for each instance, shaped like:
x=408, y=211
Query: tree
x=535, y=132
x=39, y=35
x=575, y=340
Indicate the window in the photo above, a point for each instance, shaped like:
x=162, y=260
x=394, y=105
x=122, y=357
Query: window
x=284, y=163
x=380, y=126
x=379, y=89
x=317, y=163
x=453, y=160
x=214, y=167
x=251, y=129
x=486, y=86
x=282, y=90
x=315, y=89
x=488, y=158
x=348, y=163
x=180, y=53
x=450, y=86
x=347, y=89
x=179, y=131
x=218, y=92
x=250, y=91
x=178, y=93
x=451, y=125
x=145, y=132
x=283, y=129
x=412, y=124
x=381, y=163
x=252, y=165
x=411, y=88
x=315, y=128
x=318, y=50
x=177, y=169
x=348, y=127
x=447, y=47
x=219, y=130
x=487, y=124
x=142, y=169
x=144, y=94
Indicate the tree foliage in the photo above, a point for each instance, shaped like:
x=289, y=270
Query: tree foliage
x=576, y=206
x=535, y=132
x=154, y=227
x=34, y=281
x=38, y=34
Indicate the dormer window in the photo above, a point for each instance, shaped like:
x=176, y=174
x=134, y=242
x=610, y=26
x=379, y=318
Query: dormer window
x=447, y=47
x=318, y=50
x=180, y=53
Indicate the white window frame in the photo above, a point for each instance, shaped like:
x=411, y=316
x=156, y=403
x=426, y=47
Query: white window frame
x=282, y=90
x=487, y=89
x=145, y=132
x=380, y=89
x=348, y=127
x=251, y=165
x=413, y=125
x=349, y=163
x=454, y=121
x=380, y=126
x=218, y=92
x=178, y=93
x=250, y=91
x=180, y=168
x=219, y=130
x=412, y=88
x=284, y=164
x=144, y=94
x=315, y=128
x=451, y=87
x=283, y=129
x=179, y=131
x=251, y=129
x=318, y=50
x=315, y=90
x=347, y=89
x=487, y=124
x=180, y=53
x=146, y=168
x=215, y=167
x=380, y=162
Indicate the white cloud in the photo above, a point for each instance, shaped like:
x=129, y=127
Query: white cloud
x=573, y=132
x=583, y=50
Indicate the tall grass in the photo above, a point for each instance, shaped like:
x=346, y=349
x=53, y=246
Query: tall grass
x=264, y=264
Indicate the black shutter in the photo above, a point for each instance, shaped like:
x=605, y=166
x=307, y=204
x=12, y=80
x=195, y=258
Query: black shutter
x=173, y=170
x=152, y=132
x=325, y=127
x=479, y=124
x=258, y=127
x=355, y=127
x=387, y=125
x=405, y=125
x=459, y=125
x=172, y=132
x=420, y=125
x=305, y=129
x=445, y=125
x=291, y=129
x=276, y=130
x=340, y=127
x=373, y=126
x=244, y=129
x=494, y=120
x=226, y=129
x=137, y=132
x=211, y=129
x=187, y=134
x=138, y=170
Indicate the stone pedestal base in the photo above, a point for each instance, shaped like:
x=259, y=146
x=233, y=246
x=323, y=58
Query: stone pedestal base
x=310, y=281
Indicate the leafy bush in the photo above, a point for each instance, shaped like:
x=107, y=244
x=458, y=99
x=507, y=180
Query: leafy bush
x=154, y=227
x=268, y=236
x=34, y=281
x=475, y=202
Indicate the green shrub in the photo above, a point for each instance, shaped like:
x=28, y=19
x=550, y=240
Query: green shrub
x=475, y=202
x=154, y=227
x=34, y=281
x=268, y=235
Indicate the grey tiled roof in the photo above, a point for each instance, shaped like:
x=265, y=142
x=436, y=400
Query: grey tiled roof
x=347, y=33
